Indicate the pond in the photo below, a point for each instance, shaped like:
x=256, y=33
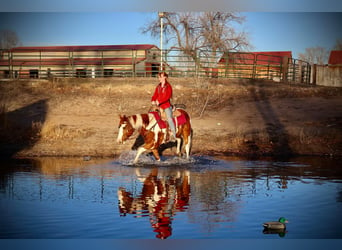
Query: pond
x=203, y=198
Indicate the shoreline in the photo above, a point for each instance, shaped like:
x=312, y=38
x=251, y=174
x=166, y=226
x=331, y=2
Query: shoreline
x=78, y=117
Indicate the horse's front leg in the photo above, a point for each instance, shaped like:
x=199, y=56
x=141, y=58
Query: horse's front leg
x=187, y=146
x=179, y=141
x=139, y=152
x=156, y=154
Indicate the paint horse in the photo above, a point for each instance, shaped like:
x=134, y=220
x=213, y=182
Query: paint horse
x=155, y=131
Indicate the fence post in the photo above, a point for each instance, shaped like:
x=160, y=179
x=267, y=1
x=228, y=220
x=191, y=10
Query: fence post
x=308, y=72
x=226, y=65
x=285, y=68
x=293, y=70
x=9, y=64
x=102, y=64
x=314, y=74
x=254, y=67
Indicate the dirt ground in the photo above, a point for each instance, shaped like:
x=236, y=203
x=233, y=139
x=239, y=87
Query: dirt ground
x=79, y=117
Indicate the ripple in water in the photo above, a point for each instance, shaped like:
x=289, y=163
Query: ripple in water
x=146, y=160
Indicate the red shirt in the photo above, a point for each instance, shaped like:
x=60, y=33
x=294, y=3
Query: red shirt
x=163, y=95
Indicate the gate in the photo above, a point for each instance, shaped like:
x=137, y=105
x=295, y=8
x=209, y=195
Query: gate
x=298, y=71
x=225, y=65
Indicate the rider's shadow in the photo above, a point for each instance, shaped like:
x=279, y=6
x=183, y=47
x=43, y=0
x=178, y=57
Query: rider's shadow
x=140, y=141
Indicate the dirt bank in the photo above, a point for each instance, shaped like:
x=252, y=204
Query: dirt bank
x=79, y=117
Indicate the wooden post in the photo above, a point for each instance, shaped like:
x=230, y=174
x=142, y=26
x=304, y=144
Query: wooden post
x=314, y=73
x=285, y=68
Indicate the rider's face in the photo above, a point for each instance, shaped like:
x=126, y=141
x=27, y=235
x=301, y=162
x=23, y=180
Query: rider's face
x=162, y=78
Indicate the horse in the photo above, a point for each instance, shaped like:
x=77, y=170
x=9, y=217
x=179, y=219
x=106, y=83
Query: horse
x=155, y=132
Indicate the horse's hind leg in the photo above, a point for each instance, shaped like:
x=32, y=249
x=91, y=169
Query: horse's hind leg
x=139, y=152
x=187, y=136
x=179, y=141
x=187, y=146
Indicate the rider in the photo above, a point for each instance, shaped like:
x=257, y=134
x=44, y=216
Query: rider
x=161, y=98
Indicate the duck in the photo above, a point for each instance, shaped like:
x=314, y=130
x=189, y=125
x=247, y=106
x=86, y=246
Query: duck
x=280, y=224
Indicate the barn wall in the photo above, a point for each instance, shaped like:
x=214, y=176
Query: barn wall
x=329, y=76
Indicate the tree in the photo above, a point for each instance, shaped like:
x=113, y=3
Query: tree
x=8, y=39
x=315, y=55
x=338, y=45
x=217, y=32
x=193, y=33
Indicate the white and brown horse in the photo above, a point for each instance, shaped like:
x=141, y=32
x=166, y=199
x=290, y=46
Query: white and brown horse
x=154, y=131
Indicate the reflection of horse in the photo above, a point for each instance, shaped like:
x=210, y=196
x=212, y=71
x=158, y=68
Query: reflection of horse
x=155, y=131
x=161, y=197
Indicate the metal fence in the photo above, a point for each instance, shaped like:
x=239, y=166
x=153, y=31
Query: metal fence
x=298, y=71
x=101, y=63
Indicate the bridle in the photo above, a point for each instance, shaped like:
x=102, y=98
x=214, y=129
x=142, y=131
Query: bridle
x=130, y=129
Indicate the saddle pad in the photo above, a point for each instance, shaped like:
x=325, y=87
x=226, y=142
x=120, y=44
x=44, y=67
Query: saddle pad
x=163, y=124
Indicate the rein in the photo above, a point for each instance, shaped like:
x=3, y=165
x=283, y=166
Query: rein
x=156, y=109
x=135, y=131
x=153, y=126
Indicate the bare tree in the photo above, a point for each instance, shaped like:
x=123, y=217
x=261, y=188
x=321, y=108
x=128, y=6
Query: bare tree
x=218, y=32
x=8, y=39
x=193, y=32
x=338, y=45
x=315, y=55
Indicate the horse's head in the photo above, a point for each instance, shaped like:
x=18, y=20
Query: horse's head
x=125, y=129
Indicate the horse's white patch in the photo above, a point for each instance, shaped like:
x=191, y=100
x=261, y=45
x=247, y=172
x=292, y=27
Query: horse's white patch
x=136, y=123
x=152, y=122
x=120, y=133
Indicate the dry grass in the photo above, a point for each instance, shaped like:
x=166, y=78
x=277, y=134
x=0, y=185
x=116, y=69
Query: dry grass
x=84, y=111
x=52, y=131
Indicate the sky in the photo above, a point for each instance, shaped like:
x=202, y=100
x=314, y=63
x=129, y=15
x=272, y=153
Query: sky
x=267, y=31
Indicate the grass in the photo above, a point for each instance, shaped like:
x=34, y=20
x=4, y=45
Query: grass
x=61, y=131
x=91, y=97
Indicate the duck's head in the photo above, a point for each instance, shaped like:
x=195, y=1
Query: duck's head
x=283, y=220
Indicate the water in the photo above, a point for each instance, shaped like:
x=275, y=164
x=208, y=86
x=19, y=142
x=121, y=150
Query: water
x=201, y=198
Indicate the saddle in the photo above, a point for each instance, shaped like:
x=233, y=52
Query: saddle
x=175, y=113
x=160, y=116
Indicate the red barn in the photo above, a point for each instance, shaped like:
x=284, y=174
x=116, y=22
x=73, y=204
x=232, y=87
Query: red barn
x=335, y=58
x=80, y=61
x=263, y=65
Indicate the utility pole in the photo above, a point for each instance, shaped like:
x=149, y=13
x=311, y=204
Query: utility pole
x=161, y=15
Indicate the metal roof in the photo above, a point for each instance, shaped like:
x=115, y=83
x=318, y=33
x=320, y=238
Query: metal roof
x=263, y=57
x=86, y=47
x=335, y=57
x=75, y=61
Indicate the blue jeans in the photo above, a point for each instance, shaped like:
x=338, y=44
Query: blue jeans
x=168, y=112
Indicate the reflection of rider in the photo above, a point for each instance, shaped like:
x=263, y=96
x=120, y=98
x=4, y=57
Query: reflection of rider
x=162, y=224
x=161, y=197
x=161, y=98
